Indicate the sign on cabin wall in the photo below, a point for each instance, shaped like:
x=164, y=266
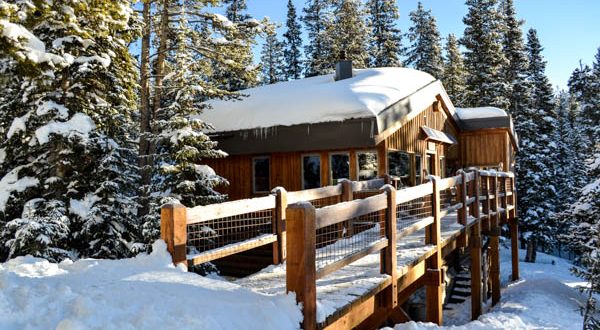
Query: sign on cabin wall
x=430, y=146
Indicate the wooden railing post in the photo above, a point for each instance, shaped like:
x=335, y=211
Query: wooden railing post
x=279, y=246
x=388, y=255
x=463, y=211
x=173, y=230
x=495, y=242
x=475, y=241
x=485, y=225
x=504, y=200
x=301, y=273
x=514, y=231
x=433, y=291
x=347, y=192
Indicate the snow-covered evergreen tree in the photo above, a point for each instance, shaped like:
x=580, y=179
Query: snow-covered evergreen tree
x=425, y=51
x=201, y=43
x=317, y=20
x=536, y=161
x=454, y=72
x=515, y=72
x=292, y=44
x=484, y=58
x=68, y=175
x=385, y=46
x=272, y=59
x=348, y=34
x=244, y=33
x=584, y=238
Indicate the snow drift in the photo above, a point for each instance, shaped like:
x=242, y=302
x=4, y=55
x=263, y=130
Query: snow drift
x=142, y=292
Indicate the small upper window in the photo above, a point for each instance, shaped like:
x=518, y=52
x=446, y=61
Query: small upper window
x=339, y=166
x=311, y=171
x=367, y=165
x=399, y=166
x=261, y=174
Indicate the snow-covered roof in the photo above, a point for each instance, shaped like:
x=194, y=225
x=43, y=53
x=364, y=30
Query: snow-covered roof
x=483, y=117
x=318, y=99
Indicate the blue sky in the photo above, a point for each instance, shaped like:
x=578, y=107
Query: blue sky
x=569, y=29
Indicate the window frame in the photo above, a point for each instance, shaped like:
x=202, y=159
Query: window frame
x=302, y=169
x=408, y=176
x=254, y=191
x=330, y=157
x=370, y=151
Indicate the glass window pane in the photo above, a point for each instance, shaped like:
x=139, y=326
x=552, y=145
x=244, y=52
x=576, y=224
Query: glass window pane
x=261, y=174
x=399, y=166
x=311, y=172
x=418, y=169
x=367, y=165
x=339, y=167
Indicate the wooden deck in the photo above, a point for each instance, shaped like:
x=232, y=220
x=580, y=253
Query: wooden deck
x=351, y=281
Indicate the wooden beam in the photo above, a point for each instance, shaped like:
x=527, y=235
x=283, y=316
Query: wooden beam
x=279, y=250
x=312, y=194
x=433, y=293
x=388, y=255
x=231, y=249
x=227, y=209
x=301, y=272
x=475, y=247
x=495, y=243
x=173, y=230
x=333, y=214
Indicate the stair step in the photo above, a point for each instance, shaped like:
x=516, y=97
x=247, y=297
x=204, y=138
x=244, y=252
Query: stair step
x=456, y=301
x=460, y=278
x=462, y=285
x=461, y=293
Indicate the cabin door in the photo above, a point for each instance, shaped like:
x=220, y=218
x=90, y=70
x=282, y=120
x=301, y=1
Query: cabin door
x=430, y=167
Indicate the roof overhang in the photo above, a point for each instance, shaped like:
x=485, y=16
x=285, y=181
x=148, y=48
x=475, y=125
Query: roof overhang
x=431, y=134
x=354, y=133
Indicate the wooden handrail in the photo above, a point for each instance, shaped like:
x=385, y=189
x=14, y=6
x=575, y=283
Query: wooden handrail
x=313, y=194
x=228, y=209
x=330, y=215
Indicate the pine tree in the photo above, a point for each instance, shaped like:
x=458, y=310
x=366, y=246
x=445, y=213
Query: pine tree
x=425, y=51
x=591, y=113
x=385, y=38
x=69, y=173
x=584, y=239
x=541, y=92
x=272, y=59
x=196, y=51
x=515, y=72
x=348, y=34
x=244, y=30
x=317, y=20
x=292, y=44
x=484, y=58
x=454, y=72
x=536, y=166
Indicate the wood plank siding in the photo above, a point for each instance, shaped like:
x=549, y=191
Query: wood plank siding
x=487, y=148
x=286, y=168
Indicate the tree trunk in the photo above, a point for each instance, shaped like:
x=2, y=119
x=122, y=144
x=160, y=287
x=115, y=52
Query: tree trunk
x=531, y=251
x=145, y=111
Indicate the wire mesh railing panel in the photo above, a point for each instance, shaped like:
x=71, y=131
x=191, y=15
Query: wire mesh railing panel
x=326, y=201
x=343, y=239
x=448, y=197
x=213, y=234
x=409, y=213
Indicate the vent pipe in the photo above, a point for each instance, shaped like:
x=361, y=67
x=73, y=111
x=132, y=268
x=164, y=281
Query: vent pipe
x=343, y=68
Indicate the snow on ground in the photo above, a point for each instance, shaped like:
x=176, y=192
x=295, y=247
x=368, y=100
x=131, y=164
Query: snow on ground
x=145, y=292
x=544, y=298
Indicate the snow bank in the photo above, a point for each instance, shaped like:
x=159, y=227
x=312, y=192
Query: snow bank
x=145, y=292
x=316, y=99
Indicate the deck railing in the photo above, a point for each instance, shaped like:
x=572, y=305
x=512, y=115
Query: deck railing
x=320, y=231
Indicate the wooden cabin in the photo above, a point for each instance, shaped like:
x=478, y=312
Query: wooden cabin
x=356, y=124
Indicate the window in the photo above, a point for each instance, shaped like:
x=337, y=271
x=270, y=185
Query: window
x=311, y=171
x=339, y=167
x=260, y=174
x=399, y=166
x=429, y=165
x=367, y=165
x=418, y=168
